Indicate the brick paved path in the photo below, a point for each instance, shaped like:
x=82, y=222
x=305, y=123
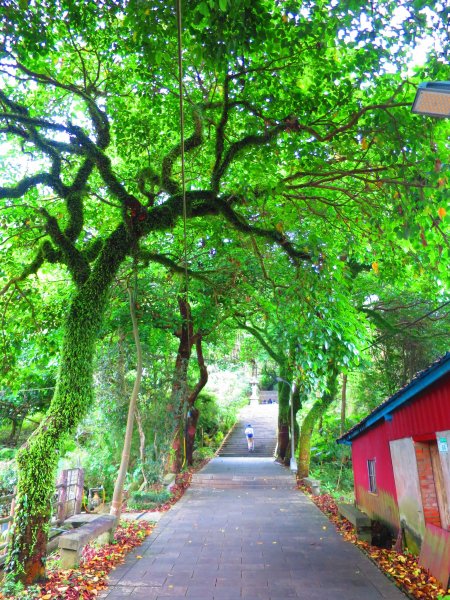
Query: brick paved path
x=247, y=534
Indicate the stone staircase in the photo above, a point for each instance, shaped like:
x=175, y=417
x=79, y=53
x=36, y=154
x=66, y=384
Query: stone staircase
x=236, y=467
x=264, y=418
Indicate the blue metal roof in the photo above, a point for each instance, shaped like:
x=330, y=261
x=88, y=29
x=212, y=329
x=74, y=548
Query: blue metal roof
x=420, y=382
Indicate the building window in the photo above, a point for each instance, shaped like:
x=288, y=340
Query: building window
x=372, y=476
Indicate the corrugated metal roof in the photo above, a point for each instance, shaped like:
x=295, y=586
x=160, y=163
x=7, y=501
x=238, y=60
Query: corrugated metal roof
x=420, y=382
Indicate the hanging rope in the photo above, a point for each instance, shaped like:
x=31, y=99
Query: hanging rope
x=183, y=176
x=183, y=183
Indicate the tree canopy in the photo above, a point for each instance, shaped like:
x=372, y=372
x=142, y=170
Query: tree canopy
x=286, y=148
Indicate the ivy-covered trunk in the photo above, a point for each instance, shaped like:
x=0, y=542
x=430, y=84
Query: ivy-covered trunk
x=180, y=384
x=191, y=430
x=283, y=423
x=318, y=409
x=37, y=460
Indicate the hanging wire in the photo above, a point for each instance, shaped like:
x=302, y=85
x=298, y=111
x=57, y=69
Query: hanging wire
x=183, y=180
x=183, y=176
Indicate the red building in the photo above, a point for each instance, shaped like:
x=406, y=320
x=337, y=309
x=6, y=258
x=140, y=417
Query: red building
x=401, y=465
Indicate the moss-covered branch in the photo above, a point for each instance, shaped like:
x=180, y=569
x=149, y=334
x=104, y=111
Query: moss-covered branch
x=273, y=235
x=175, y=267
x=220, y=137
x=27, y=183
x=73, y=258
x=46, y=252
x=98, y=117
x=249, y=141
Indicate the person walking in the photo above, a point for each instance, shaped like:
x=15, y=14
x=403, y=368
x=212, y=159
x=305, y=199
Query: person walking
x=249, y=434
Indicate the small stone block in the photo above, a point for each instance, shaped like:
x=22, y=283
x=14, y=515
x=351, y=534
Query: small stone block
x=69, y=558
x=77, y=538
x=350, y=512
x=362, y=523
x=313, y=485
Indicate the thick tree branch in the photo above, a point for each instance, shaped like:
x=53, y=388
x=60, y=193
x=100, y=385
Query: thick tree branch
x=176, y=267
x=195, y=140
x=249, y=141
x=45, y=253
x=273, y=235
x=220, y=137
x=74, y=259
x=27, y=183
x=98, y=117
x=256, y=333
x=74, y=201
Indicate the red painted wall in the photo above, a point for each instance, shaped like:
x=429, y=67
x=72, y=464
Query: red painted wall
x=422, y=416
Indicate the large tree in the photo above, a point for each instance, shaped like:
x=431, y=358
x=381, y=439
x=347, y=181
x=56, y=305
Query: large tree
x=295, y=114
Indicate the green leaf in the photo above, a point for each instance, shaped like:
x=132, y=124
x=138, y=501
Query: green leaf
x=203, y=8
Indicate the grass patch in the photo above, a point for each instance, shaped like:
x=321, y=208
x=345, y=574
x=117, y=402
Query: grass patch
x=148, y=500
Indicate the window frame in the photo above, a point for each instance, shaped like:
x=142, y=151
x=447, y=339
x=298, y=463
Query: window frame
x=372, y=475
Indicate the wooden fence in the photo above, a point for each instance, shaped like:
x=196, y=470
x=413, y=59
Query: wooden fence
x=65, y=503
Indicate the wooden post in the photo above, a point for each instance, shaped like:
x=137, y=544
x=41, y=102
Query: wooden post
x=62, y=497
x=79, y=491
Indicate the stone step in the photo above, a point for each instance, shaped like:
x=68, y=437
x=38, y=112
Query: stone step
x=264, y=422
x=215, y=481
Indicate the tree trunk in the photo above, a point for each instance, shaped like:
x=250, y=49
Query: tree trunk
x=180, y=385
x=137, y=416
x=191, y=430
x=297, y=406
x=317, y=410
x=37, y=460
x=116, y=504
x=193, y=412
x=343, y=402
x=283, y=421
x=283, y=451
x=12, y=436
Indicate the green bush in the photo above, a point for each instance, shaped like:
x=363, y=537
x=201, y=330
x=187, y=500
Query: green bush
x=215, y=420
x=203, y=453
x=17, y=591
x=8, y=477
x=7, y=453
x=334, y=479
x=148, y=500
x=331, y=462
x=154, y=471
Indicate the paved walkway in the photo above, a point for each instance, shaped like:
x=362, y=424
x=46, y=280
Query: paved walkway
x=243, y=531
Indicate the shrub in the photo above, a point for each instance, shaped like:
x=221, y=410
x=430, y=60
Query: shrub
x=203, y=453
x=215, y=420
x=8, y=477
x=148, y=500
x=7, y=453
